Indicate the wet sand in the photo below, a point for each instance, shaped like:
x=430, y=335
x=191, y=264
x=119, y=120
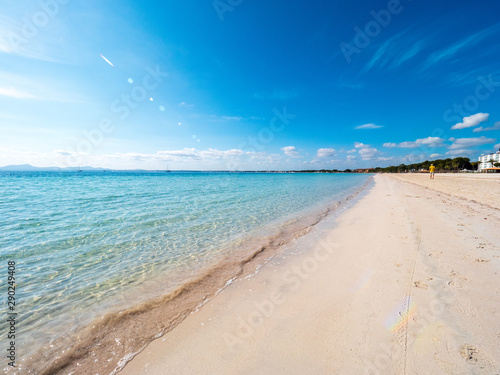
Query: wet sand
x=406, y=281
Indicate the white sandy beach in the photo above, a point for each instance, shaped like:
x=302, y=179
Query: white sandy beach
x=404, y=282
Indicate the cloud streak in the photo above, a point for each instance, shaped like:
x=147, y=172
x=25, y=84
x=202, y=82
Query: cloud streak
x=369, y=126
x=16, y=94
x=428, y=142
x=449, y=52
x=494, y=127
x=471, y=121
x=464, y=143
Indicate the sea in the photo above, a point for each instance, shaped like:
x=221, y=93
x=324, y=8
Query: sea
x=96, y=252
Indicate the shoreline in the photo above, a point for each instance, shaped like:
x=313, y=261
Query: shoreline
x=118, y=336
x=405, y=280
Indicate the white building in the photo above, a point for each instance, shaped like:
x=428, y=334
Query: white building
x=486, y=161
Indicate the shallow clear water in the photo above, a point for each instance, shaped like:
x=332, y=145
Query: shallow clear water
x=84, y=242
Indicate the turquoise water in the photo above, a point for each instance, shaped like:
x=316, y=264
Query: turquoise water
x=88, y=242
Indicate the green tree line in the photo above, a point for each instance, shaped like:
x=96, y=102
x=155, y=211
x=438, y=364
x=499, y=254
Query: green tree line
x=442, y=165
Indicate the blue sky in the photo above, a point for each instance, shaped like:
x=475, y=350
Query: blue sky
x=247, y=85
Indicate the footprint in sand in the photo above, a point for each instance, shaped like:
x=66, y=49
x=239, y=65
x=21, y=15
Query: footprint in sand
x=477, y=359
x=457, y=280
x=468, y=359
x=420, y=284
x=482, y=260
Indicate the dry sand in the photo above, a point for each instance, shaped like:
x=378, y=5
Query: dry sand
x=404, y=282
x=482, y=188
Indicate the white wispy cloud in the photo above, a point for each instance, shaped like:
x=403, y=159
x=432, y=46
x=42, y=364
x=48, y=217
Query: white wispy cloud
x=496, y=126
x=186, y=154
x=325, y=152
x=414, y=157
x=360, y=145
x=428, y=142
x=390, y=144
x=264, y=158
x=368, y=153
x=464, y=143
x=15, y=93
x=381, y=51
x=450, y=51
x=192, y=153
x=17, y=38
x=369, y=126
x=460, y=152
x=234, y=118
x=290, y=151
x=190, y=158
x=471, y=121
x=396, y=50
x=415, y=48
x=63, y=152
x=186, y=106
x=43, y=88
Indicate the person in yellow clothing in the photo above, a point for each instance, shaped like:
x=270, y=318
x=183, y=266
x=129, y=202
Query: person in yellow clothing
x=432, y=169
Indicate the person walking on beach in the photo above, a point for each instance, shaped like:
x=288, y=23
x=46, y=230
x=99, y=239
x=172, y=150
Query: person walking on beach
x=432, y=168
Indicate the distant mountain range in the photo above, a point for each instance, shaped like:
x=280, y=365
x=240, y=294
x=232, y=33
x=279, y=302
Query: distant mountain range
x=30, y=168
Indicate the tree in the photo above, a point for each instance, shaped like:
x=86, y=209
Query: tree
x=461, y=163
x=441, y=165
